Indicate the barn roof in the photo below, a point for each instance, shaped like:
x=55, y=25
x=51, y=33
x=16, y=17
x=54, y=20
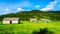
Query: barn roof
x=8, y=19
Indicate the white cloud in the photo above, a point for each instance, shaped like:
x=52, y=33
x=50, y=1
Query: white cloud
x=7, y=9
x=50, y=6
x=19, y=9
x=37, y=6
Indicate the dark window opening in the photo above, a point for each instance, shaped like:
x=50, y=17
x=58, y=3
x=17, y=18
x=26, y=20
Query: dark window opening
x=10, y=22
x=19, y=21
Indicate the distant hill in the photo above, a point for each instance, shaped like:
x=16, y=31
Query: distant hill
x=54, y=11
x=26, y=15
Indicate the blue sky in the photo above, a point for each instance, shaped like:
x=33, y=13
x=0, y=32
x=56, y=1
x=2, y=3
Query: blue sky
x=12, y=6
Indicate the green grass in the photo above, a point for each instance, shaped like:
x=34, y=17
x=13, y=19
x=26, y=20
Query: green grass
x=28, y=27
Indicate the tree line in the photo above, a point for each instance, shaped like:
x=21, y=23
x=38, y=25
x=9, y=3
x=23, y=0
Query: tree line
x=26, y=15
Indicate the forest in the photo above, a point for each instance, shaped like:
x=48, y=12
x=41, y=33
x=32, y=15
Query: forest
x=26, y=15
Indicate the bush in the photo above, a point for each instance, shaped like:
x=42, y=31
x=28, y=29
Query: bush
x=43, y=31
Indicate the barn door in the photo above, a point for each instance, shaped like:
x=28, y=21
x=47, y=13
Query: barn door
x=10, y=22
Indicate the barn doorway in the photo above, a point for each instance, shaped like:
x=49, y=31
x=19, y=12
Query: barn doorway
x=10, y=22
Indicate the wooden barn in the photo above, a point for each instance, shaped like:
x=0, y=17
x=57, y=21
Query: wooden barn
x=33, y=20
x=11, y=21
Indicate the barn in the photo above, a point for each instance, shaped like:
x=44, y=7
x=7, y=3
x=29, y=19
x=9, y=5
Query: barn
x=33, y=20
x=11, y=21
x=45, y=20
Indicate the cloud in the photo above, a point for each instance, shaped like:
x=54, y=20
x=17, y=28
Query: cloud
x=12, y=7
x=50, y=6
x=37, y=6
x=19, y=9
x=7, y=9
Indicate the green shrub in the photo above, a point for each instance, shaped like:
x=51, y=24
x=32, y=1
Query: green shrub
x=43, y=31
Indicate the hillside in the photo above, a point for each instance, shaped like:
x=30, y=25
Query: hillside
x=25, y=15
x=26, y=27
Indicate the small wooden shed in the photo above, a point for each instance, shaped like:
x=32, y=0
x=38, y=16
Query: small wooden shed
x=11, y=20
x=33, y=20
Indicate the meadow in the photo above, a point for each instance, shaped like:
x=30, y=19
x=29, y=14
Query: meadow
x=27, y=27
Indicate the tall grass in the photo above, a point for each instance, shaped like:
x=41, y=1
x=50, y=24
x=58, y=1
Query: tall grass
x=27, y=27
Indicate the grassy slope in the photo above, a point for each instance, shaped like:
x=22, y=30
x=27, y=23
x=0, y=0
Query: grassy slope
x=28, y=28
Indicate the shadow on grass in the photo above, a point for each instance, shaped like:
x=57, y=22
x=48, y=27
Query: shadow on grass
x=43, y=31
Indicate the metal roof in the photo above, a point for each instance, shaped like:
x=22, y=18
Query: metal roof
x=8, y=19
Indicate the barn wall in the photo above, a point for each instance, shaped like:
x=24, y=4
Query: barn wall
x=14, y=22
x=33, y=20
x=6, y=22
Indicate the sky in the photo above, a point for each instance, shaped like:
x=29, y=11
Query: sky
x=13, y=6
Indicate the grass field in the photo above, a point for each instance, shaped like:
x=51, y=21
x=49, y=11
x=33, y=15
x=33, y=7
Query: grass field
x=28, y=27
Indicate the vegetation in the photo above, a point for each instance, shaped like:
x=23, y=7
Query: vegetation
x=25, y=15
x=29, y=27
x=43, y=31
x=26, y=27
